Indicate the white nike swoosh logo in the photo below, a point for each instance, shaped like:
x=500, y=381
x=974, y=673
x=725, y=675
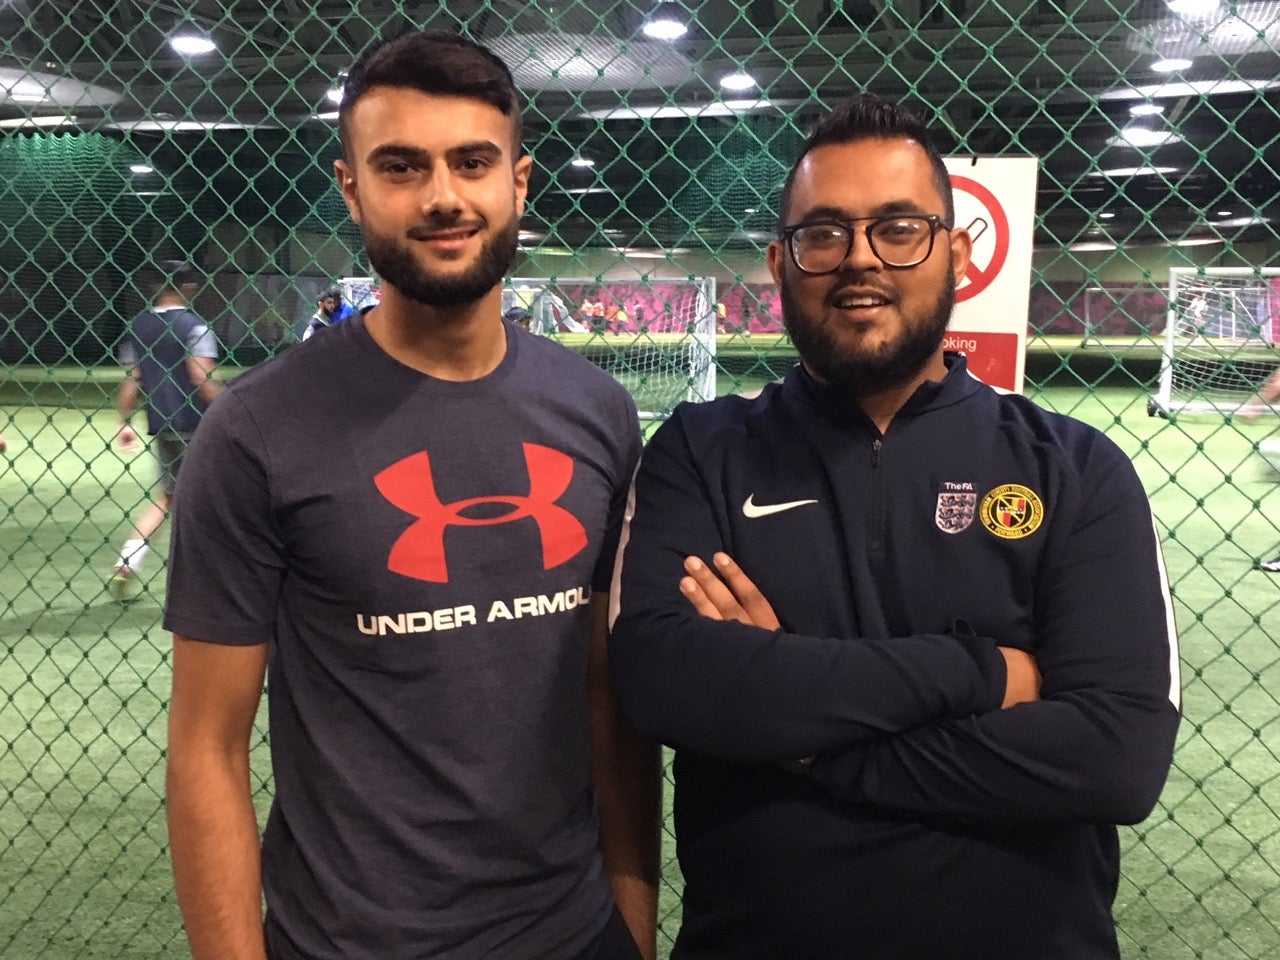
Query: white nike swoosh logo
x=752, y=510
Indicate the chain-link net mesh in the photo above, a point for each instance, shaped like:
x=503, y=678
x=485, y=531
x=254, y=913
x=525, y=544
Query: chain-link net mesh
x=651, y=179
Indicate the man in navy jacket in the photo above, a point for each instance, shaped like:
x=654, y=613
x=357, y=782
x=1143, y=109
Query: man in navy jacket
x=911, y=639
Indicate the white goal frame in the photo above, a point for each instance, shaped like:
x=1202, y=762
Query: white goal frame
x=1228, y=377
x=688, y=356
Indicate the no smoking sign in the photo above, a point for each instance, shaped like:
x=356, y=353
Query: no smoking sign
x=981, y=211
x=995, y=201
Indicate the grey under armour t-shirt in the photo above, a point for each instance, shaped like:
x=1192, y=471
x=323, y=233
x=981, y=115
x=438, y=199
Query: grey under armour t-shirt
x=419, y=554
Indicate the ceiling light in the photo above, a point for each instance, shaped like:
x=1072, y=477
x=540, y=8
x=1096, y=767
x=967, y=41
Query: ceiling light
x=1190, y=88
x=749, y=210
x=1142, y=137
x=1171, y=65
x=192, y=44
x=1106, y=215
x=723, y=108
x=1193, y=8
x=26, y=97
x=1145, y=109
x=737, y=81
x=582, y=162
x=1092, y=245
x=17, y=123
x=141, y=168
x=1223, y=213
x=334, y=95
x=1132, y=171
x=666, y=23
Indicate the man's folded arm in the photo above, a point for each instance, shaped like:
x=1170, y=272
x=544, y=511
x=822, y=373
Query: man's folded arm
x=1098, y=745
x=738, y=691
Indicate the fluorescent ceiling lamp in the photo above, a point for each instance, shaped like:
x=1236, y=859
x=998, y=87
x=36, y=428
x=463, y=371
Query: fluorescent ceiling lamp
x=1091, y=245
x=1223, y=213
x=644, y=253
x=1142, y=137
x=141, y=168
x=1145, y=110
x=1106, y=215
x=180, y=126
x=18, y=123
x=1190, y=88
x=192, y=44
x=334, y=95
x=583, y=162
x=582, y=190
x=1171, y=65
x=737, y=81
x=1242, y=222
x=725, y=108
x=1132, y=171
x=1193, y=8
x=329, y=115
x=1196, y=242
x=666, y=23
x=26, y=97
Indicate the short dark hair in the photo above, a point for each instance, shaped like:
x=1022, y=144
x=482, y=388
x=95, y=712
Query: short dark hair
x=869, y=117
x=332, y=292
x=171, y=276
x=434, y=62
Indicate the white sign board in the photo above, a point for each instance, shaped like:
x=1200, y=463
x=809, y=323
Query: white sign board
x=995, y=198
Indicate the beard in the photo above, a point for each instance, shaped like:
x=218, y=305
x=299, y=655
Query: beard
x=855, y=371
x=396, y=265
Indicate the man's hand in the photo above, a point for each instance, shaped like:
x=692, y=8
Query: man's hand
x=1022, y=681
x=127, y=438
x=726, y=593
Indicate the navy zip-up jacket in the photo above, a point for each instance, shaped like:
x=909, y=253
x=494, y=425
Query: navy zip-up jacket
x=931, y=823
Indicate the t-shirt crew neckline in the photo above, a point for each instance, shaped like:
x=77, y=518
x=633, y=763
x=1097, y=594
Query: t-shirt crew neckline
x=393, y=368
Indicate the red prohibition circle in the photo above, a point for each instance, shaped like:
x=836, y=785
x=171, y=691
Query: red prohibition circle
x=978, y=278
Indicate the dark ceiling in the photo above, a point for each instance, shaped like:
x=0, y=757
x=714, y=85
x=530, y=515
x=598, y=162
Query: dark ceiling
x=1055, y=79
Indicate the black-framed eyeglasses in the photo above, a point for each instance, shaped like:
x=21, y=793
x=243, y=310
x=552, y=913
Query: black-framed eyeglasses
x=823, y=246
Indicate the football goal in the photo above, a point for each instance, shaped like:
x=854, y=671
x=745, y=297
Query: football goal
x=1220, y=341
x=657, y=337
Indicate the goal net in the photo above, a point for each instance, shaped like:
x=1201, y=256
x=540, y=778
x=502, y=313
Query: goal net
x=658, y=337
x=1220, y=341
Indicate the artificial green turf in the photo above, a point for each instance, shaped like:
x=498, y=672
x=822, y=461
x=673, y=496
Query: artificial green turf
x=83, y=682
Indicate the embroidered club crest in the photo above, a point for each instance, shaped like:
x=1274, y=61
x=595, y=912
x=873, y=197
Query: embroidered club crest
x=1012, y=511
x=955, y=511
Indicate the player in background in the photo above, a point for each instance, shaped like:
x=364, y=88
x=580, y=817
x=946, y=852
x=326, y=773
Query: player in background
x=831, y=596
x=1263, y=402
x=168, y=353
x=413, y=522
x=331, y=310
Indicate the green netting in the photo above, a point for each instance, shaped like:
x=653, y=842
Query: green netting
x=115, y=152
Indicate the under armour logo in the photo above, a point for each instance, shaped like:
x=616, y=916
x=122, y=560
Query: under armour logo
x=420, y=553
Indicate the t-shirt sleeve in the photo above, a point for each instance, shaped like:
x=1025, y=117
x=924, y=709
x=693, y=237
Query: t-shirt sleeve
x=200, y=340
x=127, y=352
x=627, y=429
x=226, y=555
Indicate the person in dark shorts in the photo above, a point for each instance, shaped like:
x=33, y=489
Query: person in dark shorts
x=169, y=354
